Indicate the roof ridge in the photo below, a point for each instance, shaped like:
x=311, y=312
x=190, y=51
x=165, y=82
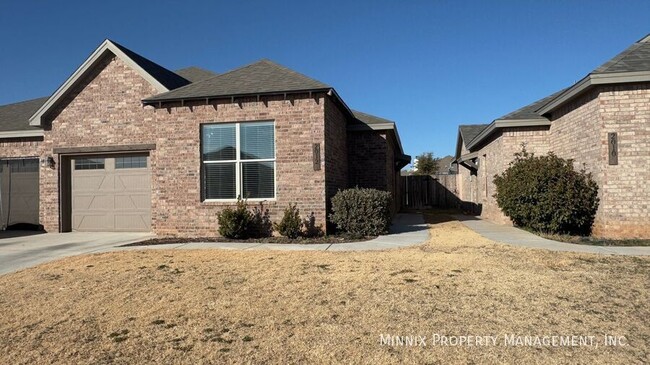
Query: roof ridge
x=217, y=75
x=273, y=63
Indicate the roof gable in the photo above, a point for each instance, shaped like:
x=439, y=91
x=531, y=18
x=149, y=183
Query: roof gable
x=466, y=133
x=261, y=77
x=159, y=77
x=470, y=131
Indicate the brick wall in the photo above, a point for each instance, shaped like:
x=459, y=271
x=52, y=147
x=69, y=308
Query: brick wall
x=106, y=110
x=20, y=147
x=367, y=153
x=465, y=182
x=579, y=131
x=336, y=151
x=392, y=176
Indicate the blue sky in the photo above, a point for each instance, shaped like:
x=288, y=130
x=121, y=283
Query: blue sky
x=428, y=65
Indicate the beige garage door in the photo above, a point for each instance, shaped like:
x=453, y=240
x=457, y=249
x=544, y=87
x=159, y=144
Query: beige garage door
x=111, y=193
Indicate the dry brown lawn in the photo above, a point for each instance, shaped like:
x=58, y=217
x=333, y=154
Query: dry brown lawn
x=217, y=306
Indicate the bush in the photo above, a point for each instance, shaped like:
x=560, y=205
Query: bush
x=235, y=223
x=311, y=229
x=261, y=225
x=546, y=194
x=290, y=225
x=361, y=212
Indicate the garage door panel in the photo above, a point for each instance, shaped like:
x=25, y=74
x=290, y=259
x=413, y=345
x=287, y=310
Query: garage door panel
x=94, y=202
x=134, y=182
x=110, y=199
x=90, y=183
x=133, y=202
x=132, y=222
x=91, y=222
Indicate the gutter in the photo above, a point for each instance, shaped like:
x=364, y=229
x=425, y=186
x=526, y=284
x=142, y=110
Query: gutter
x=594, y=79
x=501, y=123
x=22, y=134
x=153, y=101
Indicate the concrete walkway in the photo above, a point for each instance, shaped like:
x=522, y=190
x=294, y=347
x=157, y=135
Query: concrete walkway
x=518, y=237
x=407, y=230
x=19, y=250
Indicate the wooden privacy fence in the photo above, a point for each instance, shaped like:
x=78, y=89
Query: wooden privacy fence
x=437, y=191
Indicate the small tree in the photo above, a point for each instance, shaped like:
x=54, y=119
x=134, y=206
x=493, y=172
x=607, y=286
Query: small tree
x=426, y=164
x=546, y=194
x=291, y=224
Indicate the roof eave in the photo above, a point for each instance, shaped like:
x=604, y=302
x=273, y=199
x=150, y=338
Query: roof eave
x=107, y=45
x=21, y=134
x=154, y=101
x=594, y=79
x=506, y=123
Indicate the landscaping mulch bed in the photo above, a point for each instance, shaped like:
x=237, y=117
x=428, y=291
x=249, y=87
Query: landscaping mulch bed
x=339, y=238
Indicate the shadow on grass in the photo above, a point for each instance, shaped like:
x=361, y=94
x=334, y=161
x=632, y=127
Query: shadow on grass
x=436, y=216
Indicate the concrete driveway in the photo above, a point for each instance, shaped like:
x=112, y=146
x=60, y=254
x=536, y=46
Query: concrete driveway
x=19, y=250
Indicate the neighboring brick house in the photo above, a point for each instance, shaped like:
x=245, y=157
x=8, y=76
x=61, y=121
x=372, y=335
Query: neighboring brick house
x=602, y=123
x=127, y=145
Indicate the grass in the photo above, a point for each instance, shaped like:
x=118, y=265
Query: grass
x=219, y=306
x=594, y=241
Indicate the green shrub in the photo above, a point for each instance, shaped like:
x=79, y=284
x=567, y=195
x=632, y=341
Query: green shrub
x=290, y=225
x=311, y=229
x=261, y=225
x=235, y=223
x=361, y=212
x=546, y=194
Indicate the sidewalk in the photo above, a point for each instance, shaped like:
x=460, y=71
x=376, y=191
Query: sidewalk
x=407, y=230
x=518, y=237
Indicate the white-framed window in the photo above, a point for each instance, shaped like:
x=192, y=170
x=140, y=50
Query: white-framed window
x=238, y=160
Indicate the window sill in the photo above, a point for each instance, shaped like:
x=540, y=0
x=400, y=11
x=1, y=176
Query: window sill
x=234, y=201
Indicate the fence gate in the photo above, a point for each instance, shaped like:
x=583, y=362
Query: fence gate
x=422, y=192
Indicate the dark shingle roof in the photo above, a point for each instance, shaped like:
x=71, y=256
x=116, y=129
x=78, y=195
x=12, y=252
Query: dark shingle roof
x=635, y=58
x=15, y=117
x=445, y=165
x=169, y=79
x=530, y=110
x=366, y=118
x=195, y=74
x=469, y=131
x=258, y=78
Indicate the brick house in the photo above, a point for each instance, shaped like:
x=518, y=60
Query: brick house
x=127, y=145
x=602, y=121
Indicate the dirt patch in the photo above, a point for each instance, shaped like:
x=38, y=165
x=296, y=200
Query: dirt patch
x=283, y=240
x=219, y=306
